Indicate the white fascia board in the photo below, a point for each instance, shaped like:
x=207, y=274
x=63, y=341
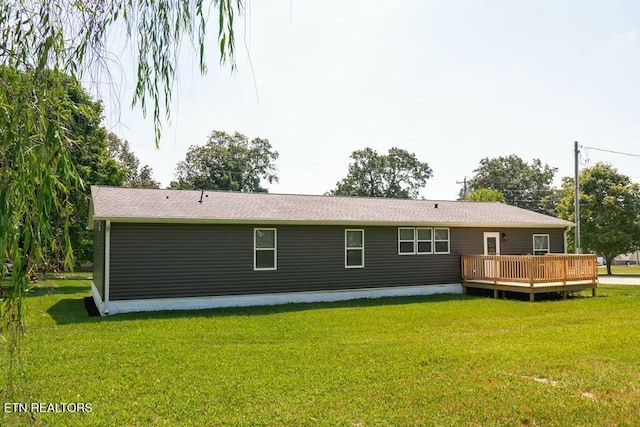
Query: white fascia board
x=199, y=303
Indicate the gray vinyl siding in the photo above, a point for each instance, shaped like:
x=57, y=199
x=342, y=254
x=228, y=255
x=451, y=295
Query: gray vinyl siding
x=180, y=260
x=519, y=243
x=98, y=256
x=513, y=241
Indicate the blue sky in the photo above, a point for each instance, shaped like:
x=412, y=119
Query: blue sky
x=452, y=81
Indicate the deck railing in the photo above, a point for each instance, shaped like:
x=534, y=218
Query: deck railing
x=530, y=269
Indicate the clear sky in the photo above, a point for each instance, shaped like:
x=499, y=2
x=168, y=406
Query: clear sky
x=452, y=81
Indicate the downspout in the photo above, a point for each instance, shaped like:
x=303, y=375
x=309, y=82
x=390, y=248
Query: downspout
x=566, y=242
x=107, y=264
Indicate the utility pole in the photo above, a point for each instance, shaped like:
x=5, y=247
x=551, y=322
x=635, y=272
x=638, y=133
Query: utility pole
x=464, y=188
x=576, y=200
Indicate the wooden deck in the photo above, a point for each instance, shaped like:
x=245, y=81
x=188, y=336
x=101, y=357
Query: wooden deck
x=530, y=274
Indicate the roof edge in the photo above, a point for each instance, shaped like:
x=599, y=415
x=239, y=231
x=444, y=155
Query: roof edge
x=267, y=194
x=256, y=221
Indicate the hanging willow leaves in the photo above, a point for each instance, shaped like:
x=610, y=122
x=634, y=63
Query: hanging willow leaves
x=35, y=176
x=40, y=39
x=71, y=36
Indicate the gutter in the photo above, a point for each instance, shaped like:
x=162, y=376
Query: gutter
x=363, y=223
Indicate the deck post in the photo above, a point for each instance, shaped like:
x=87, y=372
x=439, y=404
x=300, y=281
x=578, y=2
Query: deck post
x=532, y=296
x=564, y=271
x=531, y=271
x=495, y=270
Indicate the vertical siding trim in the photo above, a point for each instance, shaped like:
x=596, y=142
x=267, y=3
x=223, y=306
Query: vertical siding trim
x=107, y=264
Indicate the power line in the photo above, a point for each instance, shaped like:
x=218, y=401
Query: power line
x=526, y=190
x=611, y=151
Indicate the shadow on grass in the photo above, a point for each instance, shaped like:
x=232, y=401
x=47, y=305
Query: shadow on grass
x=524, y=296
x=39, y=291
x=72, y=310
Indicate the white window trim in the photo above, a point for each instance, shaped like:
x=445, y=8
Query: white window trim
x=418, y=240
x=436, y=240
x=533, y=242
x=405, y=241
x=348, y=248
x=274, y=249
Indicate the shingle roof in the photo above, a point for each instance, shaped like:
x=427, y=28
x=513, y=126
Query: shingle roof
x=144, y=205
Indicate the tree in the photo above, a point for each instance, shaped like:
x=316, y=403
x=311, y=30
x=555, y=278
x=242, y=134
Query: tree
x=227, y=162
x=86, y=145
x=609, y=211
x=524, y=185
x=485, y=195
x=88, y=151
x=144, y=179
x=71, y=36
x=398, y=174
x=59, y=36
x=137, y=177
x=35, y=174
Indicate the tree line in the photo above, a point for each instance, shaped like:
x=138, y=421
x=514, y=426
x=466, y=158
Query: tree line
x=610, y=201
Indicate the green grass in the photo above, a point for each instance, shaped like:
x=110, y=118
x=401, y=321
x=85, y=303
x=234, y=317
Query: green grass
x=622, y=270
x=442, y=360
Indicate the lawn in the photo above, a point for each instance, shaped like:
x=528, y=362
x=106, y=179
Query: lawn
x=622, y=270
x=442, y=360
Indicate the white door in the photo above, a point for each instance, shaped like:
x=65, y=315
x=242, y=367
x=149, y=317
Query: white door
x=491, y=247
x=492, y=243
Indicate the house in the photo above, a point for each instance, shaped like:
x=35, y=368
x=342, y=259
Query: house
x=183, y=249
x=632, y=258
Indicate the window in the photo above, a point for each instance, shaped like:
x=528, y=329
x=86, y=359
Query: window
x=354, y=248
x=441, y=240
x=425, y=240
x=406, y=241
x=540, y=244
x=264, y=248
